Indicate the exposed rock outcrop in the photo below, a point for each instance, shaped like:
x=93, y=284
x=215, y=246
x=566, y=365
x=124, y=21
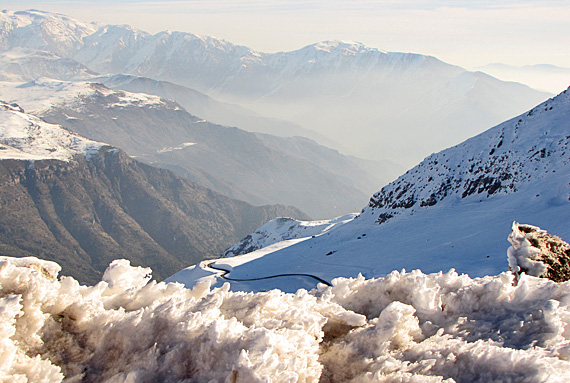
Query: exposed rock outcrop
x=537, y=253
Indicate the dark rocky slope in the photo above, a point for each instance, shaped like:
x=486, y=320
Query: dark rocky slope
x=86, y=212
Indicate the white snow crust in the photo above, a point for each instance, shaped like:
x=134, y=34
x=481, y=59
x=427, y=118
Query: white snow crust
x=521, y=252
x=26, y=137
x=406, y=327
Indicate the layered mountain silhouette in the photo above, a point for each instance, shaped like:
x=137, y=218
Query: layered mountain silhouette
x=376, y=104
x=257, y=168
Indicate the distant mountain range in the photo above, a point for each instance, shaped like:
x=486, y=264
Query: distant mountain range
x=83, y=203
x=376, y=104
x=546, y=77
x=453, y=210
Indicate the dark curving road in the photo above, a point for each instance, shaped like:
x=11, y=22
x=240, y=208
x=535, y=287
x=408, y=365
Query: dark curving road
x=226, y=272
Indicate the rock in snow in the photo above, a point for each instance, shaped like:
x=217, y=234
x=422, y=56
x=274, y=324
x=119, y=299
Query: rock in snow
x=537, y=253
x=406, y=327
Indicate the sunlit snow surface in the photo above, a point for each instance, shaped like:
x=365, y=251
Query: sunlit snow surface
x=406, y=327
x=42, y=94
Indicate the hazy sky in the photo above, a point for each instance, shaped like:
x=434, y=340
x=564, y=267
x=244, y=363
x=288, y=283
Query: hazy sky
x=468, y=33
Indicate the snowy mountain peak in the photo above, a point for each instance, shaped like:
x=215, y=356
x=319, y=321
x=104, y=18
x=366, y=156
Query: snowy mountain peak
x=26, y=137
x=40, y=30
x=345, y=46
x=502, y=160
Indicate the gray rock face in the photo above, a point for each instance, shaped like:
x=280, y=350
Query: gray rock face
x=86, y=212
x=537, y=253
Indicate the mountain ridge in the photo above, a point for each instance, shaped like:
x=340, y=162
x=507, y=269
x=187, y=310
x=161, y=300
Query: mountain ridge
x=256, y=168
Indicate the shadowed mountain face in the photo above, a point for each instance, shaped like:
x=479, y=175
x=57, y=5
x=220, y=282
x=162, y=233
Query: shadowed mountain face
x=86, y=212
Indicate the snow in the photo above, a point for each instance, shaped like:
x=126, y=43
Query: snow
x=43, y=93
x=174, y=148
x=138, y=99
x=43, y=31
x=521, y=252
x=406, y=327
x=23, y=64
x=26, y=137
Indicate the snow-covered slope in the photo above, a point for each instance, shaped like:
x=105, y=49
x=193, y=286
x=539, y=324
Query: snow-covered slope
x=23, y=64
x=453, y=210
x=26, y=137
x=45, y=31
x=521, y=154
x=42, y=94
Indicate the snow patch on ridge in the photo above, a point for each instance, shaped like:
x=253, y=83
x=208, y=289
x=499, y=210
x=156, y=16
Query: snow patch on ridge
x=174, y=148
x=42, y=94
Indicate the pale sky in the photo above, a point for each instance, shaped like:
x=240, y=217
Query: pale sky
x=467, y=33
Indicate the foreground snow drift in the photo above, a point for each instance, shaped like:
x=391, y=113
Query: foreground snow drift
x=406, y=327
